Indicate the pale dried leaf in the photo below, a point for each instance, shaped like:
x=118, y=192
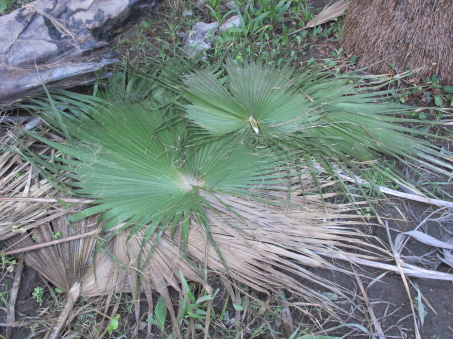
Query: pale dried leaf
x=336, y=10
x=426, y=239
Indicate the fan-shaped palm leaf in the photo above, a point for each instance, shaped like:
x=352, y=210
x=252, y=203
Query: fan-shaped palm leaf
x=136, y=167
x=328, y=119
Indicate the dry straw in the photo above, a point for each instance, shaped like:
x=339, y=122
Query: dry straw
x=409, y=34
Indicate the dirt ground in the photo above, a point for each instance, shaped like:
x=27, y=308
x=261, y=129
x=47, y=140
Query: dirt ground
x=388, y=295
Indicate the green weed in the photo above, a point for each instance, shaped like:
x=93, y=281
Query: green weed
x=38, y=294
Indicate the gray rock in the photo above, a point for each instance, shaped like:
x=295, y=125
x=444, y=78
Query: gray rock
x=195, y=47
x=199, y=39
x=65, y=40
x=234, y=21
x=202, y=28
x=200, y=4
x=187, y=12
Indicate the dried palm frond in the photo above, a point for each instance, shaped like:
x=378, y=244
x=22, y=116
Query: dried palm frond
x=271, y=248
x=274, y=246
x=82, y=267
x=18, y=178
x=65, y=264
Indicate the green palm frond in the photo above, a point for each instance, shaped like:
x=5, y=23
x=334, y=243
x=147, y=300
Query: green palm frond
x=252, y=98
x=332, y=121
x=138, y=169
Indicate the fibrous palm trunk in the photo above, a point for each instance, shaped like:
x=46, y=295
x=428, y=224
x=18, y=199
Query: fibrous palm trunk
x=402, y=34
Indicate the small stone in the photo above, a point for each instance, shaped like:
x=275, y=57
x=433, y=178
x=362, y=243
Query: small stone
x=187, y=12
x=234, y=21
x=194, y=47
x=202, y=28
x=199, y=39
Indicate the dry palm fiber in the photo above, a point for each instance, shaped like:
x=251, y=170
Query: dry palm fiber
x=275, y=245
x=68, y=262
x=410, y=34
x=334, y=11
x=18, y=178
x=99, y=270
x=270, y=251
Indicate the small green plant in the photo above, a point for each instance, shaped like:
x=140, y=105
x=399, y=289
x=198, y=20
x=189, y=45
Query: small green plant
x=7, y=6
x=114, y=323
x=38, y=294
x=275, y=11
x=8, y=262
x=4, y=295
x=337, y=53
x=216, y=12
x=302, y=10
x=192, y=308
x=429, y=91
x=160, y=314
x=144, y=25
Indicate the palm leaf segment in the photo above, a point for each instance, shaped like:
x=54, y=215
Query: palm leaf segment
x=330, y=120
x=253, y=97
x=137, y=167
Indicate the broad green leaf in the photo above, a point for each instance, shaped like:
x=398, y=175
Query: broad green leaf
x=238, y=307
x=113, y=324
x=160, y=312
x=204, y=298
x=448, y=89
x=3, y=6
x=186, y=288
x=438, y=100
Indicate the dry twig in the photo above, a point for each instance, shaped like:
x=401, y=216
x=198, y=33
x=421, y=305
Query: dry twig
x=11, y=317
